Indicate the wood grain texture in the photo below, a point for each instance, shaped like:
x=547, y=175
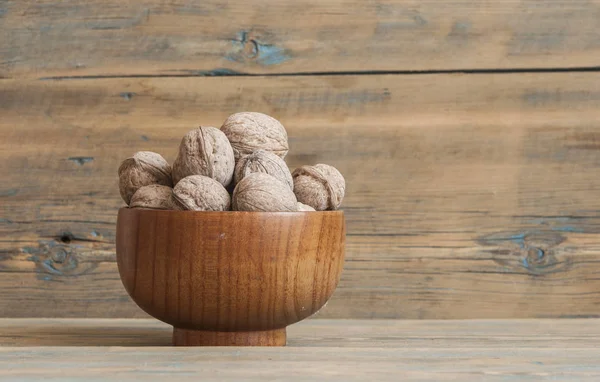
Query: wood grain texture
x=197, y=37
x=230, y=278
x=333, y=350
x=468, y=195
x=345, y=333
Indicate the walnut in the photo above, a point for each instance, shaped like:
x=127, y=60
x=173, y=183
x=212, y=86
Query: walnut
x=321, y=186
x=201, y=193
x=142, y=169
x=205, y=151
x=304, y=207
x=263, y=192
x=265, y=162
x=249, y=131
x=154, y=196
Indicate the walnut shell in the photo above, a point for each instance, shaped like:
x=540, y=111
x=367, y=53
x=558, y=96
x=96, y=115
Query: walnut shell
x=205, y=151
x=263, y=192
x=249, y=131
x=321, y=186
x=154, y=196
x=201, y=193
x=304, y=207
x=265, y=162
x=142, y=169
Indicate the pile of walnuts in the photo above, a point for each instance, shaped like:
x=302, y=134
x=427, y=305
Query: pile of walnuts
x=246, y=156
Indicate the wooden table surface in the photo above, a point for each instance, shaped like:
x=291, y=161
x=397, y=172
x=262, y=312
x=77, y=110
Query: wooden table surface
x=318, y=349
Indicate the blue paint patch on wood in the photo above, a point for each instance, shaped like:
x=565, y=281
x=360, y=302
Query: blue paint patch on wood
x=459, y=34
x=547, y=220
x=81, y=160
x=30, y=251
x=5, y=221
x=217, y=72
x=145, y=138
x=568, y=229
x=271, y=55
x=522, y=238
x=53, y=259
x=534, y=251
x=9, y=192
x=462, y=27
x=247, y=48
x=518, y=239
x=58, y=257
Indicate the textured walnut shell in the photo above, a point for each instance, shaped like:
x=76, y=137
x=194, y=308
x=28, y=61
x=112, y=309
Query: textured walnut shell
x=304, y=207
x=154, y=196
x=263, y=192
x=265, y=162
x=321, y=186
x=249, y=131
x=142, y=169
x=205, y=151
x=201, y=193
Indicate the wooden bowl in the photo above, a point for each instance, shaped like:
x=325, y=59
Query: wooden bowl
x=230, y=278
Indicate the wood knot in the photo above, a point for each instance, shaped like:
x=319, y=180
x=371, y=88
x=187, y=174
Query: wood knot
x=251, y=46
x=127, y=95
x=81, y=160
x=56, y=258
x=537, y=252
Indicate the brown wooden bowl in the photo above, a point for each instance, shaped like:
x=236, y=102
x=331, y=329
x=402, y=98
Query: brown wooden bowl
x=230, y=278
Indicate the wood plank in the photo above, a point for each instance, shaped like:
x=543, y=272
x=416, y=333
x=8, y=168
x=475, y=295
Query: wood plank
x=346, y=333
x=297, y=364
x=336, y=350
x=469, y=196
x=197, y=37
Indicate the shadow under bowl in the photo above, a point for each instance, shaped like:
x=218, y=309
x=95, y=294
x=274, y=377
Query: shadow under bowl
x=230, y=278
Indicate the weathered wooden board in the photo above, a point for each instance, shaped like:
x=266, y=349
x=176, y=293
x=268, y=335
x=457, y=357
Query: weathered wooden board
x=347, y=333
x=113, y=37
x=469, y=196
x=332, y=350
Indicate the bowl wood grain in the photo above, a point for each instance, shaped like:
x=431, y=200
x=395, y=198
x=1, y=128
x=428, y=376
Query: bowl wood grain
x=230, y=278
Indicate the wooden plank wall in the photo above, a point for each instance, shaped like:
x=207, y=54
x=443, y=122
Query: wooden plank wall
x=468, y=132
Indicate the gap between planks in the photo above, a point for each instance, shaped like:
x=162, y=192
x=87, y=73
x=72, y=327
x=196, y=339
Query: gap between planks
x=223, y=72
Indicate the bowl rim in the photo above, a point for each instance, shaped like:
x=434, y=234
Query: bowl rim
x=282, y=213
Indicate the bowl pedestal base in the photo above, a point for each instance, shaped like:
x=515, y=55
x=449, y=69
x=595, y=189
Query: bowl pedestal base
x=187, y=337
